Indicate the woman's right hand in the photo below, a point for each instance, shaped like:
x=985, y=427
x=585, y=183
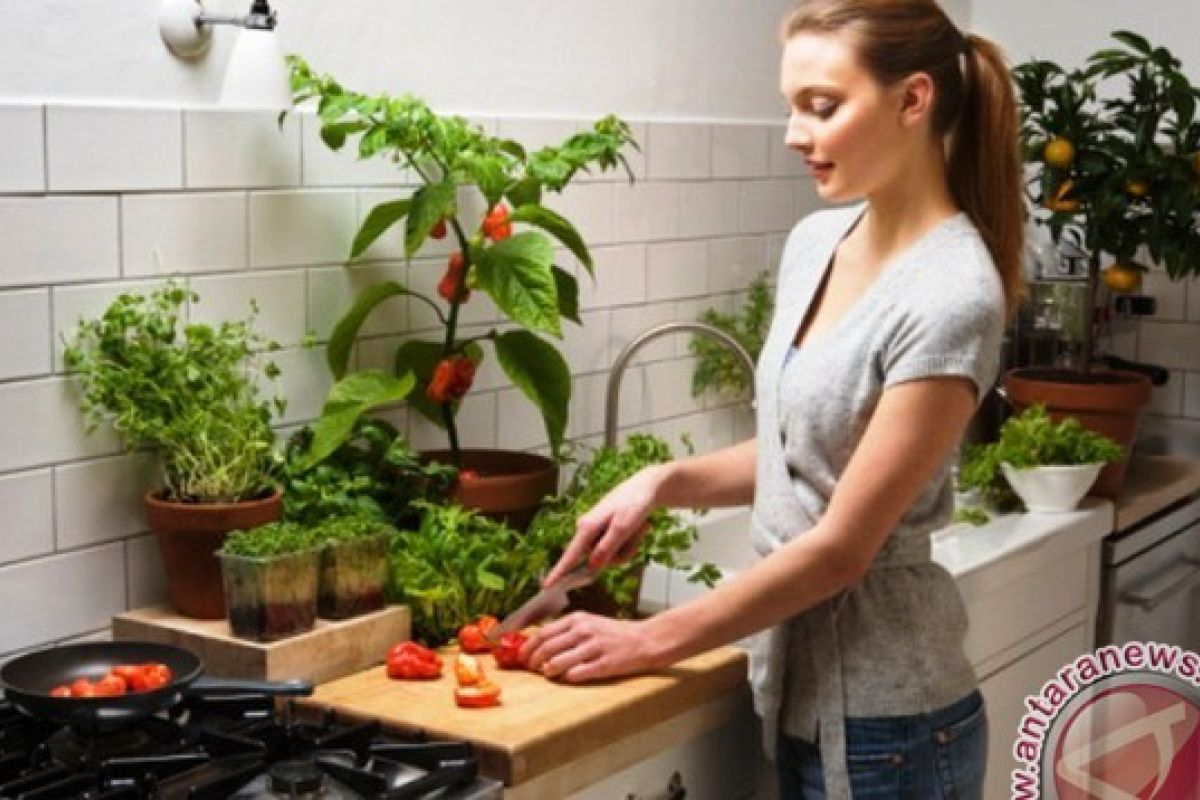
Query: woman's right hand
x=611, y=530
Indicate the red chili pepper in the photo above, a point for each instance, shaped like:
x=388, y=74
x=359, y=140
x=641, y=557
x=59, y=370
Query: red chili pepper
x=451, y=379
x=452, y=280
x=496, y=225
x=439, y=229
x=508, y=651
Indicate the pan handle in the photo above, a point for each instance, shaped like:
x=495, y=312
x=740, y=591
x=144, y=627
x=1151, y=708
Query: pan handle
x=206, y=685
x=103, y=718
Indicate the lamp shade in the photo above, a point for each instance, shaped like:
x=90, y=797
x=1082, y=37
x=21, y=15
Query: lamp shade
x=256, y=77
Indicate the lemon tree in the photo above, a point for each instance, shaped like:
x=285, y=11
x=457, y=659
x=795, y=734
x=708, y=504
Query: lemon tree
x=1115, y=170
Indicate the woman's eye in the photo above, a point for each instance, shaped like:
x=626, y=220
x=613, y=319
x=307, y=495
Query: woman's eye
x=824, y=110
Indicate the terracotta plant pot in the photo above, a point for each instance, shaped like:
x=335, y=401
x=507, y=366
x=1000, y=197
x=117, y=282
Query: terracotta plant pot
x=189, y=535
x=508, y=485
x=1107, y=402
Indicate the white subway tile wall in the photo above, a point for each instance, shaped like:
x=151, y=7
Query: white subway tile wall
x=24, y=324
x=238, y=209
x=1168, y=338
x=22, y=148
x=94, y=148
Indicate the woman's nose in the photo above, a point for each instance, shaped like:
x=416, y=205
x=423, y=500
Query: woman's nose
x=797, y=136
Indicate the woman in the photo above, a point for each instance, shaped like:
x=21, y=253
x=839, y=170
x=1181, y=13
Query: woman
x=886, y=338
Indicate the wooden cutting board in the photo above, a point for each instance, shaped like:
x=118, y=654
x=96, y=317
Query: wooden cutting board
x=540, y=725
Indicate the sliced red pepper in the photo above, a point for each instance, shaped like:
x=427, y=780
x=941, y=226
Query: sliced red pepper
x=481, y=695
x=410, y=661
x=472, y=640
x=468, y=670
x=111, y=685
x=508, y=651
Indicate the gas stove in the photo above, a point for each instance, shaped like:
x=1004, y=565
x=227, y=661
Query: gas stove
x=236, y=746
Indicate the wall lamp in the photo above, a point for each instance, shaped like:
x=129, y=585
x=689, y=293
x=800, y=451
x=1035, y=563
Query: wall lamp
x=256, y=76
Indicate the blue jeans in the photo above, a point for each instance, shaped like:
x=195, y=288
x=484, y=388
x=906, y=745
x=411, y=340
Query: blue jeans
x=936, y=756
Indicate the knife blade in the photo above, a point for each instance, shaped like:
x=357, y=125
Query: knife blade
x=547, y=602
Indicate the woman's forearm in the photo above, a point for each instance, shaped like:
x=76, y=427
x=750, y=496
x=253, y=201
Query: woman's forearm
x=724, y=477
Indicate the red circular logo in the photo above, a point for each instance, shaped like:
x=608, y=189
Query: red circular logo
x=1133, y=741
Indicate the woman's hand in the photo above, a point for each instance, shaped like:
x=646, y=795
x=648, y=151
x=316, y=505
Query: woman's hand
x=584, y=647
x=610, y=532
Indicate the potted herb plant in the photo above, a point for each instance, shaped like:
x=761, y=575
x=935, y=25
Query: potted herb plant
x=188, y=393
x=1037, y=463
x=1118, y=173
x=270, y=578
x=508, y=255
x=457, y=565
x=364, y=469
x=668, y=538
x=353, y=574
x=717, y=368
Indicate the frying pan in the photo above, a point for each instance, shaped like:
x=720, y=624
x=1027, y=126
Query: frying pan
x=28, y=679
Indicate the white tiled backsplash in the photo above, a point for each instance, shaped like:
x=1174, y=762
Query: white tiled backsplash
x=1171, y=339
x=97, y=200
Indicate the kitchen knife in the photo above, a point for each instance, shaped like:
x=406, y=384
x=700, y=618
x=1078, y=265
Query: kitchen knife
x=547, y=602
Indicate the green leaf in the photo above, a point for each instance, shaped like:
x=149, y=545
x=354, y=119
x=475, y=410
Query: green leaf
x=348, y=400
x=334, y=133
x=337, y=354
x=513, y=148
x=557, y=226
x=518, y=274
x=430, y=203
x=538, y=370
x=489, y=175
x=489, y=580
x=525, y=192
x=1134, y=41
x=380, y=218
x=568, y=295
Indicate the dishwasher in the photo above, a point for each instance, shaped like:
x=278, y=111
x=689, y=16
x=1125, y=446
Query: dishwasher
x=1150, y=581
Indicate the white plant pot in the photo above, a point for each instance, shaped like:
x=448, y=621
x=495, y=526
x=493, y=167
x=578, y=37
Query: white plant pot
x=1054, y=488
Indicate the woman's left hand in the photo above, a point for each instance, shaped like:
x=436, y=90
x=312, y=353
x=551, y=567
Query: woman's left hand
x=585, y=647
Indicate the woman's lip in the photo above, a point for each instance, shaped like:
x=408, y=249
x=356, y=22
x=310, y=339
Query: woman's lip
x=819, y=168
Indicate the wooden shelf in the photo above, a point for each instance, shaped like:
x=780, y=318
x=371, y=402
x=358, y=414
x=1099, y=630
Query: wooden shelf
x=332, y=649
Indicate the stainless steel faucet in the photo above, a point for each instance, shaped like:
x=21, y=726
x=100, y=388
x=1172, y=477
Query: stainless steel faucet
x=612, y=396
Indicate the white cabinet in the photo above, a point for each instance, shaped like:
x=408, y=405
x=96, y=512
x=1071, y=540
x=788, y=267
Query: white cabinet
x=721, y=764
x=1004, y=692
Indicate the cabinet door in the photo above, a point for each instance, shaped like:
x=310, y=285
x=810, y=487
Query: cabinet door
x=1005, y=692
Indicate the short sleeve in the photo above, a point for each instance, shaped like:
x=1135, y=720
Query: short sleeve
x=958, y=336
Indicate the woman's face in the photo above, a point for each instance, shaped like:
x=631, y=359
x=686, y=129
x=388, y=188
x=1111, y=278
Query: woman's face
x=847, y=126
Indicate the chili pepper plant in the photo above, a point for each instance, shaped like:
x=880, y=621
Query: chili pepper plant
x=509, y=255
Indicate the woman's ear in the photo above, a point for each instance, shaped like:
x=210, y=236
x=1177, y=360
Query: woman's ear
x=916, y=98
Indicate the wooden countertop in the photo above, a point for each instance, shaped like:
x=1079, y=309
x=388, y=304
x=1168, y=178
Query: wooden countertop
x=1152, y=484
x=540, y=725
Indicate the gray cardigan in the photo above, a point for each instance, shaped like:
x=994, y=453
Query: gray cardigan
x=892, y=644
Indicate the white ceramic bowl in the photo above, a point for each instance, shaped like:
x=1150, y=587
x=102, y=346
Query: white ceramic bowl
x=1052, y=489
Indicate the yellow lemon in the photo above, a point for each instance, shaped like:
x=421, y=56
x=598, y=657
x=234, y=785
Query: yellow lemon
x=1059, y=153
x=1122, y=278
